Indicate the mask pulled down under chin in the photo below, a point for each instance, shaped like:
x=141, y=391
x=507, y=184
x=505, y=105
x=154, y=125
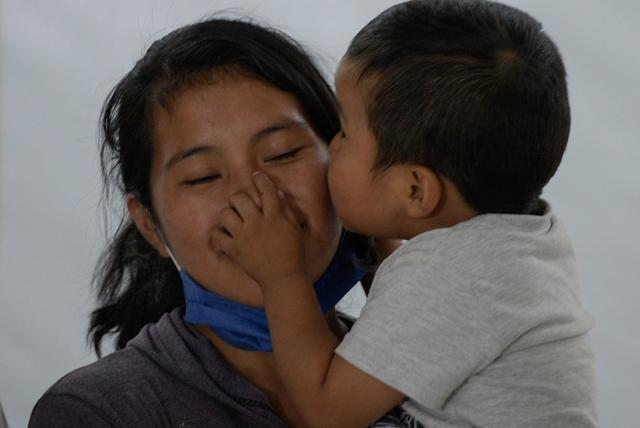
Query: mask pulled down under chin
x=246, y=327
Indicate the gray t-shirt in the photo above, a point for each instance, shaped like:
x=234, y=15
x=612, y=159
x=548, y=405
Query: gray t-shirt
x=481, y=324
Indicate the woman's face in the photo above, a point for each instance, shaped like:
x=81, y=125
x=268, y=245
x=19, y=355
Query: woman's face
x=207, y=145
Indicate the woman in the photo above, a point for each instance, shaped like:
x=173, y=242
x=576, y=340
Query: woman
x=207, y=105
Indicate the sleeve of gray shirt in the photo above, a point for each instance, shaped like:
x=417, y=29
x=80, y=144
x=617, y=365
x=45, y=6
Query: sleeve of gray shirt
x=421, y=338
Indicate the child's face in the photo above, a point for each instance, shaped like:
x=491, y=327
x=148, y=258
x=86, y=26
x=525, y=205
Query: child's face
x=365, y=200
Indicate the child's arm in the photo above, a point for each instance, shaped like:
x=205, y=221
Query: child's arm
x=327, y=390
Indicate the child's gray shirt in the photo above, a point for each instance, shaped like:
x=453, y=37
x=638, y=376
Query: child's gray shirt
x=481, y=324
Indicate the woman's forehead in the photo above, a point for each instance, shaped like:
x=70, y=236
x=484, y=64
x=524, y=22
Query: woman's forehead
x=226, y=117
x=228, y=99
x=238, y=108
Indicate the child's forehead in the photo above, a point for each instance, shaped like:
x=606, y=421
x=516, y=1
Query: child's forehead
x=345, y=74
x=352, y=70
x=349, y=78
x=349, y=92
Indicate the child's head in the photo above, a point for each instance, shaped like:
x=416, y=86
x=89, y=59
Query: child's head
x=473, y=90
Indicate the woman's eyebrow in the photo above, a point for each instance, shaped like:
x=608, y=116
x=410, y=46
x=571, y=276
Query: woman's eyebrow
x=184, y=154
x=279, y=126
x=263, y=133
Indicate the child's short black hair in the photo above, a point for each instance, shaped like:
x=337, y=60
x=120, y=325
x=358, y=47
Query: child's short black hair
x=474, y=90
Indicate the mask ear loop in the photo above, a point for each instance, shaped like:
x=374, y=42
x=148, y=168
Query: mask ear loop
x=164, y=241
x=173, y=258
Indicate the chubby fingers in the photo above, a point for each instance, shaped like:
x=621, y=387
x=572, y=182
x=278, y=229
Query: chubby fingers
x=268, y=193
x=230, y=226
x=223, y=242
x=244, y=206
x=273, y=200
x=230, y=221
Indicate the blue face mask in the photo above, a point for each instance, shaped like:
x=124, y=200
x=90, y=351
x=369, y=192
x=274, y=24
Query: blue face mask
x=246, y=327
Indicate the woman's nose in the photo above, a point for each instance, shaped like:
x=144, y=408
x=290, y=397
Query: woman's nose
x=242, y=182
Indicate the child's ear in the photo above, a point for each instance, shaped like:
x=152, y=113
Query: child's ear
x=424, y=191
x=145, y=225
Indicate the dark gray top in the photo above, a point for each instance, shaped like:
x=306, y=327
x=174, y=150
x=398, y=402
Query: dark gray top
x=169, y=375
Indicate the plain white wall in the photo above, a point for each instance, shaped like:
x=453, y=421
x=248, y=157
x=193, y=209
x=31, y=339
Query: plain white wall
x=59, y=59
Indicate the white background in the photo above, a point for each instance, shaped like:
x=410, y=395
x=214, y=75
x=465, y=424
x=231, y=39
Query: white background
x=59, y=59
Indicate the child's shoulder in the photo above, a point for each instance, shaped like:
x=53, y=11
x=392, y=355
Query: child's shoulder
x=491, y=248
x=489, y=235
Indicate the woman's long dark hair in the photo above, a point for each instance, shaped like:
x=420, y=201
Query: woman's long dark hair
x=135, y=286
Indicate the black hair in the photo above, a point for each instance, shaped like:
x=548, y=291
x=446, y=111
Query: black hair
x=135, y=284
x=473, y=89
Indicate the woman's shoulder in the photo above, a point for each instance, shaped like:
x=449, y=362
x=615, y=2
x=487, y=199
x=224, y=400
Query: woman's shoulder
x=168, y=375
x=113, y=390
x=120, y=371
x=89, y=395
x=112, y=372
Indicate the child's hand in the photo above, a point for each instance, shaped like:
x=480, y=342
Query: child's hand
x=267, y=243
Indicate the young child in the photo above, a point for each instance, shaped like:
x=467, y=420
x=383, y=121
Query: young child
x=455, y=116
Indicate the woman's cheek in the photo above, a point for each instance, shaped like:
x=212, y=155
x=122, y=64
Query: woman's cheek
x=193, y=218
x=318, y=187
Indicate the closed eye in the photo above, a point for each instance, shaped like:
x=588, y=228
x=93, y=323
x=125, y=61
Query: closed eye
x=284, y=156
x=201, y=180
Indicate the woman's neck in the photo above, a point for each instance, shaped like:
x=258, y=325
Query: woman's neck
x=259, y=368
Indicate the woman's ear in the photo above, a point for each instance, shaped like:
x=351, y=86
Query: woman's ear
x=145, y=225
x=424, y=191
